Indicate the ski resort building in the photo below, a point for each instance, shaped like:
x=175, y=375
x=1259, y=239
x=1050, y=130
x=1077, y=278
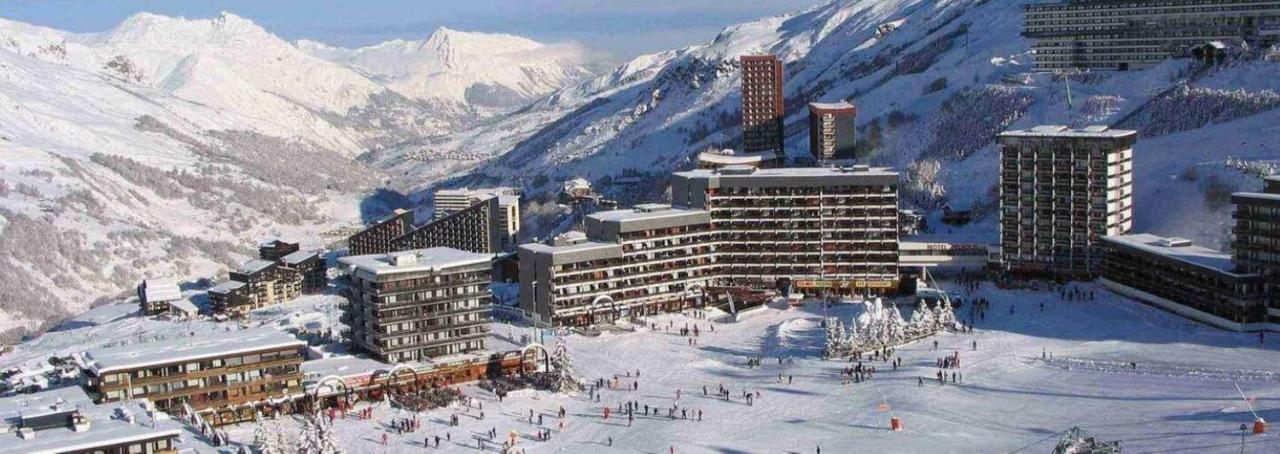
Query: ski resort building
x=1061, y=190
x=479, y=228
x=310, y=266
x=420, y=304
x=1196, y=282
x=762, y=105
x=258, y=283
x=449, y=201
x=646, y=260
x=832, y=132
x=274, y=250
x=155, y=295
x=816, y=230
x=1122, y=35
x=1256, y=244
x=65, y=420
x=227, y=377
x=376, y=238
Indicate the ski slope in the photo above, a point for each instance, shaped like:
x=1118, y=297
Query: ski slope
x=1180, y=398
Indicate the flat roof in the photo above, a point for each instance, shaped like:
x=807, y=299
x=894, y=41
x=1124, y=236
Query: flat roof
x=837, y=105
x=185, y=306
x=1095, y=131
x=430, y=259
x=105, y=429
x=298, y=256
x=188, y=348
x=1200, y=256
x=255, y=265
x=226, y=287
x=732, y=158
x=160, y=290
x=783, y=172
x=644, y=212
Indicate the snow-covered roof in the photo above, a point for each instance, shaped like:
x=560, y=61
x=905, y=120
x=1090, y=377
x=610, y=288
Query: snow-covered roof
x=255, y=265
x=184, y=306
x=26, y=404
x=226, y=287
x=1178, y=249
x=728, y=157
x=838, y=105
x=154, y=290
x=508, y=199
x=644, y=211
x=106, y=428
x=1096, y=131
x=215, y=345
x=431, y=259
x=298, y=257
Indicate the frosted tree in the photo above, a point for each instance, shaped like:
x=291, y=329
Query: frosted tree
x=562, y=360
x=318, y=437
x=267, y=438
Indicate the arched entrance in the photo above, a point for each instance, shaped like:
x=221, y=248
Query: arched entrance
x=530, y=354
x=602, y=310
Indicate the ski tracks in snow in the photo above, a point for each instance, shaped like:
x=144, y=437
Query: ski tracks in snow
x=1158, y=369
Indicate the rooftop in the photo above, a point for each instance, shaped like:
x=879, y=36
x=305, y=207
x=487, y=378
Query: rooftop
x=729, y=157
x=298, y=257
x=107, y=427
x=645, y=211
x=838, y=105
x=255, y=265
x=206, y=345
x=788, y=172
x=432, y=259
x=160, y=290
x=1095, y=131
x=1178, y=249
x=226, y=287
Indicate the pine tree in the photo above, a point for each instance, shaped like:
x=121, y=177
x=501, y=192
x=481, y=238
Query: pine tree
x=266, y=438
x=563, y=362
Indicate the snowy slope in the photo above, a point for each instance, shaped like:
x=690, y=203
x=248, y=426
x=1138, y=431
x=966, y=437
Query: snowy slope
x=934, y=80
x=486, y=71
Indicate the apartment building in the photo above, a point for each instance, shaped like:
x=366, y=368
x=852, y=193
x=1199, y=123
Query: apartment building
x=65, y=420
x=832, y=131
x=227, y=376
x=507, y=216
x=420, y=304
x=258, y=283
x=476, y=229
x=816, y=230
x=1061, y=190
x=650, y=259
x=310, y=266
x=716, y=159
x=1122, y=35
x=1196, y=282
x=275, y=249
x=376, y=238
x=1256, y=243
x=155, y=295
x=762, y=105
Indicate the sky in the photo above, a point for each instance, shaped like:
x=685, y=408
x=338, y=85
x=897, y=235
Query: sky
x=624, y=28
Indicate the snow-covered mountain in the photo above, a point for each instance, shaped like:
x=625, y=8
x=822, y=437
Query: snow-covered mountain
x=491, y=72
x=934, y=81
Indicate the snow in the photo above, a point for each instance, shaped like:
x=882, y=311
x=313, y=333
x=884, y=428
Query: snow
x=1180, y=396
x=203, y=346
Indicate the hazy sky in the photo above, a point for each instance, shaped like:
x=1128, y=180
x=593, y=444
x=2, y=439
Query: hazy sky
x=623, y=27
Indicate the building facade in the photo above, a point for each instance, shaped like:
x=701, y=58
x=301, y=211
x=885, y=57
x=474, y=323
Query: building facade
x=816, y=230
x=155, y=295
x=646, y=260
x=65, y=420
x=832, y=131
x=476, y=228
x=420, y=304
x=274, y=250
x=507, y=216
x=311, y=267
x=257, y=284
x=226, y=376
x=1061, y=190
x=1256, y=243
x=1195, y=282
x=1121, y=35
x=762, y=105
x=376, y=238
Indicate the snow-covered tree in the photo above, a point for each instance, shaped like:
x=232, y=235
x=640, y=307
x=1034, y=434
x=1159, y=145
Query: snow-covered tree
x=562, y=360
x=267, y=438
x=318, y=437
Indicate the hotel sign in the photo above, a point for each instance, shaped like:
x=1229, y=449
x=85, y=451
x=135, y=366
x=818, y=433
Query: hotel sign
x=846, y=284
